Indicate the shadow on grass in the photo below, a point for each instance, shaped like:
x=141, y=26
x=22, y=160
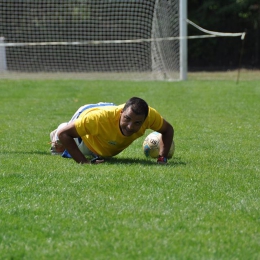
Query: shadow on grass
x=26, y=152
x=176, y=161
x=173, y=162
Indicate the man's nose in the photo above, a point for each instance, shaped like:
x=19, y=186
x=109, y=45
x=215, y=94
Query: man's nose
x=130, y=126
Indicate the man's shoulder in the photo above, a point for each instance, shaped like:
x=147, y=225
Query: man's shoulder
x=153, y=111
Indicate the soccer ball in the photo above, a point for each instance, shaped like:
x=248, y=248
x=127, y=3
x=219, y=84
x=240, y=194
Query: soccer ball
x=151, y=146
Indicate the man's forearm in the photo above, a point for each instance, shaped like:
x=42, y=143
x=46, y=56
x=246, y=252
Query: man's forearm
x=70, y=145
x=166, y=143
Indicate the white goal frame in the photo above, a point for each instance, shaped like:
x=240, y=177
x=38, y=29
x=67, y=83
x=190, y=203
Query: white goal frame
x=158, y=43
x=183, y=40
x=165, y=46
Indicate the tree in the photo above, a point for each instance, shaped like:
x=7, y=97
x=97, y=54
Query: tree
x=224, y=16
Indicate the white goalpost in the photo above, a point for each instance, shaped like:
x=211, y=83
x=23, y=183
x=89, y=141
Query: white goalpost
x=96, y=39
x=93, y=39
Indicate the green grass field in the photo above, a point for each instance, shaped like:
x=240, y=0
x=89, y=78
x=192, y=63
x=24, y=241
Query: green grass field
x=205, y=204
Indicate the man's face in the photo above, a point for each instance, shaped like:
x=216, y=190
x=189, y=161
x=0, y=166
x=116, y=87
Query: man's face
x=129, y=122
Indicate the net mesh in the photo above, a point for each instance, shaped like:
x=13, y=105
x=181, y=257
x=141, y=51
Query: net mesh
x=92, y=39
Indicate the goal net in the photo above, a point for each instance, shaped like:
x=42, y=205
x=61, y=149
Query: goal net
x=90, y=39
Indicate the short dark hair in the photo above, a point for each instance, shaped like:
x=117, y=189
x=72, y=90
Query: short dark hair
x=138, y=106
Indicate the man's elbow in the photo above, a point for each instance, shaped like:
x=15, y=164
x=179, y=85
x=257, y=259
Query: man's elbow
x=61, y=135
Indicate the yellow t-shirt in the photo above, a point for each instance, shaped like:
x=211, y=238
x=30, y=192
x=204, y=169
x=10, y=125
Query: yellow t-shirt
x=100, y=131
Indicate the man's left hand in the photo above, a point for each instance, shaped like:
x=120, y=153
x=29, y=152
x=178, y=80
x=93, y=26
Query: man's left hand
x=162, y=160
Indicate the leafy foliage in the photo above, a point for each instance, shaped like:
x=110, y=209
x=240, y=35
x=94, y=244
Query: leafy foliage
x=224, y=16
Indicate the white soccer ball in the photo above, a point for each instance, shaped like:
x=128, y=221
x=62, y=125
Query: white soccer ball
x=151, y=146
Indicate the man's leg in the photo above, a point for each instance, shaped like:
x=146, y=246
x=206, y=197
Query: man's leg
x=56, y=147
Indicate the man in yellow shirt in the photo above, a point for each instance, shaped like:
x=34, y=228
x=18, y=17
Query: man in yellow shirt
x=104, y=130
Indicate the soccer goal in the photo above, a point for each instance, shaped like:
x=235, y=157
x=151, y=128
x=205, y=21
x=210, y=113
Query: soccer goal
x=93, y=39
